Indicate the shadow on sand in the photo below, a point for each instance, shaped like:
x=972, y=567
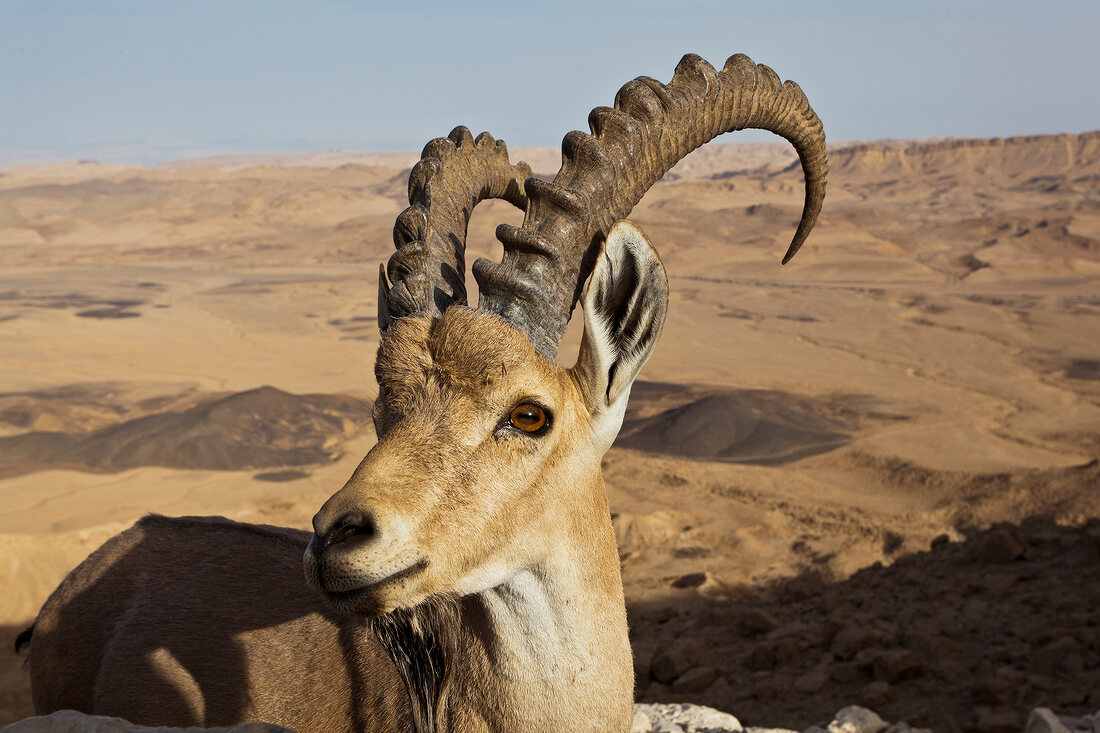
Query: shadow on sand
x=955, y=638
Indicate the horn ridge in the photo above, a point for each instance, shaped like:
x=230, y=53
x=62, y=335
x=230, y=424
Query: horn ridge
x=632, y=145
x=454, y=174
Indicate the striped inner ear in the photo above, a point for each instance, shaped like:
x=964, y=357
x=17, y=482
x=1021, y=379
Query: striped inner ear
x=624, y=308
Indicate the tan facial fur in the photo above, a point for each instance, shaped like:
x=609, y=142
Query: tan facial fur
x=452, y=489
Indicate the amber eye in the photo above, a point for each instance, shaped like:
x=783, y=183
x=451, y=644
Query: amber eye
x=528, y=418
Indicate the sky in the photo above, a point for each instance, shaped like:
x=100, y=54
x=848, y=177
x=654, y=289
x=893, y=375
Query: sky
x=143, y=81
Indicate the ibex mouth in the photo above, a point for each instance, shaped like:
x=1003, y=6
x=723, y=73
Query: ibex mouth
x=371, y=599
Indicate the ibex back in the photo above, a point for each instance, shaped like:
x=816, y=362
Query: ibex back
x=468, y=569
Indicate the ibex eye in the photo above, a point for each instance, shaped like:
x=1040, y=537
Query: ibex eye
x=528, y=417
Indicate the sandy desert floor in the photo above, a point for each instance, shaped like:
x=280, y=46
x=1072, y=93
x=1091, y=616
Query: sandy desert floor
x=870, y=476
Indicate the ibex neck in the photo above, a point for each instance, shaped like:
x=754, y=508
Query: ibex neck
x=548, y=650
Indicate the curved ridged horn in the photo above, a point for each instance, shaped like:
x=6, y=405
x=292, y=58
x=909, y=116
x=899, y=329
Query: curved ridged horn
x=454, y=174
x=603, y=175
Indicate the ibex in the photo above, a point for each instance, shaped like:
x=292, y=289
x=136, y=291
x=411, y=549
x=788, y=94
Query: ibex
x=466, y=577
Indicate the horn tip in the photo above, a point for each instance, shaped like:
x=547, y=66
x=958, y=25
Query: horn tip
x=796, y=245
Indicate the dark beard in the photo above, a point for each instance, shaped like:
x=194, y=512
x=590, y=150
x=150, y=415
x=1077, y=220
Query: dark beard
x=422, y=642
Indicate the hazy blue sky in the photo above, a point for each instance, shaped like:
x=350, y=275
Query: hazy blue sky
x=149, y=80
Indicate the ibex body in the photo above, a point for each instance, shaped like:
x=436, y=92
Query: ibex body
x=467, y=574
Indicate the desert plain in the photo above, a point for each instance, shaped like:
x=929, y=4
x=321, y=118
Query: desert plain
x=871, y=476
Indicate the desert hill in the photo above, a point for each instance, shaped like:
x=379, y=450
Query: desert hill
x=755, y=427
x=259, y=428
x=197, y=338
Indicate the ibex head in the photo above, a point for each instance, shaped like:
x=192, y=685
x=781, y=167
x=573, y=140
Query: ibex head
x=487, y=464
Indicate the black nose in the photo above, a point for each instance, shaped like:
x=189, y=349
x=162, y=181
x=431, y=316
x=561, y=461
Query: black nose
x=351, y=526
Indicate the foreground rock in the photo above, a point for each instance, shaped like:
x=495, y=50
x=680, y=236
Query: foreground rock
x=70, y=721
x=682, y=718
x=687, y=718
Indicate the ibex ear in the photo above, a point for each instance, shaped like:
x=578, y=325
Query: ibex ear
x=624, y=309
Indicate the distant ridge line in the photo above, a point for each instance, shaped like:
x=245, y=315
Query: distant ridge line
x=1079, y=149
x=1072, y=158
x=1077, y=154
x=922, y=146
